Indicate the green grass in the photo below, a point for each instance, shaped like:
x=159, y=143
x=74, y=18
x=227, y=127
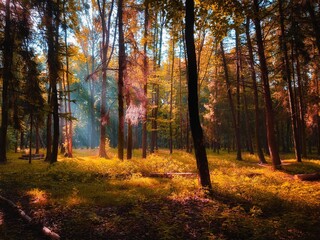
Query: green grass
x=89, y=197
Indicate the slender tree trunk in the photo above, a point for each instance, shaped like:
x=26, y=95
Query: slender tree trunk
x=37, y=137
x=196, y=130
x=49, y=128
x=256, y=96
x=54, y=68
x=63, y=108
x=30, y=138
x=103, y=52
x=237, y=109
x=301, y=107
x=145, y=76
x=232, y=109
x=180, y=101
x=22, y=140
x=7, y=77
x=122, y=67
x=242, y=80
x=69, y=133
x=171, y=98
x=272, y=143
x=287, y=78
x=129, y=140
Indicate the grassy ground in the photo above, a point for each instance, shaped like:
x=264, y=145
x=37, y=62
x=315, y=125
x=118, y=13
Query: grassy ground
x=91, y=198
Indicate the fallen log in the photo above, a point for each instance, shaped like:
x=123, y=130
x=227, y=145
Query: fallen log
x=46, y=231
x=172, y=174
x=307, y=177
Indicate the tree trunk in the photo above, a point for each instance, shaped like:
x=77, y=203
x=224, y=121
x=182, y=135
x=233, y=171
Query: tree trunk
x=246, y=111
x=287, y=78
x=301, y=107
x=271, y=138
x=54, y=77
x=171, y=98
x=256, y=96
x=231, y=104
x=103, y=52
x=122, y=66
x=7, y=77
x=129, y=140
x=196, y=130
x=145, y=76
x=52, y=26
x=37, y=137
x=69, y=133
x=30, y=137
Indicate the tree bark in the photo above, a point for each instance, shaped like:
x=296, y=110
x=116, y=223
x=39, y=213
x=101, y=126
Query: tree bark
x=7, y=78
x=122, y=66
x=52, y=24
x=69, y=133
x=287, y=78
x=271, y=138
x=245, y=102
x=231, y=104
x=196, y=130
x=145, y=76
x=256, y=96
x=171, y=98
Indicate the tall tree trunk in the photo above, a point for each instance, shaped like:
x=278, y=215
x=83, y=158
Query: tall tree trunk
x=242, y=81
x=272, y=143
x=122, y=66
x=7, y=77
x=231, y=104
x=180, y=100
x=256, y=96
x=171, y=97
x=237, y=109
x=196, y=130
x=145, y=79
x=129, y=140
x=52, y=24
x=37, y=137
x=30, y=137
x=69, y=133
x=301, y=106
x=287, y=78
x=103, y=52
x=21, y=139
x=49, y=128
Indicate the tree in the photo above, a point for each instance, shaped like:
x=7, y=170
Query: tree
x=231, y=104
x=255, y=94
x=286, y=75
x=122, y=67
x=196, y=130
x=105, y=62
x=272, y=143
x=145, y=78
x=52, y=37
x=7, y=78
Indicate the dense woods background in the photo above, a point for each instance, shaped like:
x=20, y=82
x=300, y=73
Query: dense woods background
x=100, y=74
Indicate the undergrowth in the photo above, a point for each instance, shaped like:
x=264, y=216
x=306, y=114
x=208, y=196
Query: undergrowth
x=101, y=196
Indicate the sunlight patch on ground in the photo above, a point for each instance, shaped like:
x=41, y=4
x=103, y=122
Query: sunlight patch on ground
x=38, y=196
x=74, y=199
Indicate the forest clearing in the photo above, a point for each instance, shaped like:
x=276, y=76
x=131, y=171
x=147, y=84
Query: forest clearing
x=93, y=198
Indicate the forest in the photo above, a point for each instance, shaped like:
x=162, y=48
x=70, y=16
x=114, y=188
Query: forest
x=159, y=119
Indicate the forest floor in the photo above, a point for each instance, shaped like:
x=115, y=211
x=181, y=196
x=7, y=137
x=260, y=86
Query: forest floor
x=87, y=197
